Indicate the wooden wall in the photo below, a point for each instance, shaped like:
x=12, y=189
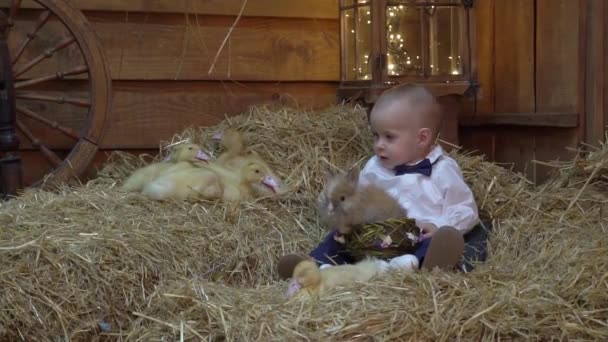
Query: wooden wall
x=530, y=58
x=160, y=55
x=541, y=64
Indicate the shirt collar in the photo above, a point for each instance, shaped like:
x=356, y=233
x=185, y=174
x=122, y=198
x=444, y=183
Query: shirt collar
x=435, y=153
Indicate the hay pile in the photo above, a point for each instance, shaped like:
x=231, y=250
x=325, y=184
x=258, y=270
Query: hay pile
x=92, y=262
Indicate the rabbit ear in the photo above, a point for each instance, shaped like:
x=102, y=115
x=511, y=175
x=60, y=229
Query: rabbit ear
x=328, y=173
x=353, y=175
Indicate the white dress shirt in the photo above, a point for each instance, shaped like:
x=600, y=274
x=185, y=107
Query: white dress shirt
x=443, y=199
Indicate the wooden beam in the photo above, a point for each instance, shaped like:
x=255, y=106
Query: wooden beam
x=325, y=9
x=565, y=120
x=177, y=47
x=484, y=33
x=144, y=113
x=595, y=75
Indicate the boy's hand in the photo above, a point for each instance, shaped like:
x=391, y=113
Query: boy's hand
x=428, y=229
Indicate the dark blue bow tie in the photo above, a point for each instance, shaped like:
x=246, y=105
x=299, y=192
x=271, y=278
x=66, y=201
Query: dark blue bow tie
x=424, y=167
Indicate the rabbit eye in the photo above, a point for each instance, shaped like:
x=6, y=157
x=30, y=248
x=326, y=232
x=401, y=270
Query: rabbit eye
x=190, y=148
x=342, y=198
x=257, y=171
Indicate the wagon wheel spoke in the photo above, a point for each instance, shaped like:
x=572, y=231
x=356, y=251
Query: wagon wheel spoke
x=42, y=19
x=15, y=4
x=46, y=54
x=50, y=155
x=81, y=69
x=53, y=124
x=79, y=102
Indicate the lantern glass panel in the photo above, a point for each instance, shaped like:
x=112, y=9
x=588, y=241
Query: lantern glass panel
x=445, y=31
x=364, y=43
x=404, y=40
x=348, y=45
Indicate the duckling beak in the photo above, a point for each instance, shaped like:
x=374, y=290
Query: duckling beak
x=294, y=287
x=218, y=136
x=200, y=155
x=271, y=183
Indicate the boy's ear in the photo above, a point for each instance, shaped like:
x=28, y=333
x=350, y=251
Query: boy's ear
x=425, y=136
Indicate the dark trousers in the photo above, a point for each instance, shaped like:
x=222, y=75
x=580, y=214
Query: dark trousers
x=329, y=251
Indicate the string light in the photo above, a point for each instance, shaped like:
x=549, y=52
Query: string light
x=400, y=58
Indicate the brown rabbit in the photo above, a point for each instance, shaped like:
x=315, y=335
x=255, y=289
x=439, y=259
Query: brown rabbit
x=343, y=204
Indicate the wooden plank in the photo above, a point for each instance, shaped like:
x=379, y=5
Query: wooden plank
x=553, y=144
x=515, y=146
x=521, y=119
x=35, y=166
x=484, y=31
x=479, y=141
x=178, y=47
x=514, y=56
x=157, y=110
x=327, y=9
x=557, y=60
x=521, y=146
x=594, y=72
x=605, y=68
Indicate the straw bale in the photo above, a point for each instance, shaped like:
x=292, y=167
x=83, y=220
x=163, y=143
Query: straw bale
x=92, y=262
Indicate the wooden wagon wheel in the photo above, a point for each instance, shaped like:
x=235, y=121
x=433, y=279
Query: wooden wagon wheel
x=51, y=71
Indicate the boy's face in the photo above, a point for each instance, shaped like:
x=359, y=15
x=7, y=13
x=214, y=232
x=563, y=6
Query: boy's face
x=398, y=137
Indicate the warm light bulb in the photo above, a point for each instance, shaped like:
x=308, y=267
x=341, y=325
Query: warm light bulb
x=408, y=62
x=398, y=36
x=392, y=36
x=455, y=72
x=400, y=45
x=353, y=31
x=450, y=57
x=369, y=21
x=367, y=12
x=391, y=66
x=392, y=14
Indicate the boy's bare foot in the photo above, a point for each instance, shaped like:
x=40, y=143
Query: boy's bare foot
x=445, y=250
x=287, y=263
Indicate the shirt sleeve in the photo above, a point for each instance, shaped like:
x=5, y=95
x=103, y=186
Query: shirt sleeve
x=459, y=208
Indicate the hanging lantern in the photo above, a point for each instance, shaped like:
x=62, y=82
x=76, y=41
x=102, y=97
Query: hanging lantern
x=387, y=42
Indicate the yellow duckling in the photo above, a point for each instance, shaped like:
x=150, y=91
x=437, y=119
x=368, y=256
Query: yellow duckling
x=182, y=156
